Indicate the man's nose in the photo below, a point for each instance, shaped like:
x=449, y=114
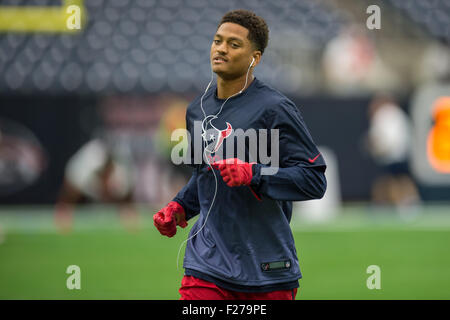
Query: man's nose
x=222, y=48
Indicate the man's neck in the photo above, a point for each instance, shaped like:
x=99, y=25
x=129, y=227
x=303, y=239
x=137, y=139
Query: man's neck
x=226, y=88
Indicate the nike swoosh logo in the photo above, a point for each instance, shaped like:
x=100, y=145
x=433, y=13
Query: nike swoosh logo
x=314, y=159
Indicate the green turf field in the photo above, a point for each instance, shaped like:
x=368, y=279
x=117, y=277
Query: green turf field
x=115, y=264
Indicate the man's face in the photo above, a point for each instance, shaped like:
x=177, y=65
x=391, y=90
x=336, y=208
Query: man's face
x=231, y=51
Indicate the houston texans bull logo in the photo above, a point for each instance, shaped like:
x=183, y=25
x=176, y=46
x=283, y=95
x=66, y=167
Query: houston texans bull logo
x=214, y=137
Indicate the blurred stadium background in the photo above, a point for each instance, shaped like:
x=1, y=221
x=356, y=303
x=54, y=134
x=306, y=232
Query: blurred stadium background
x=97, y=107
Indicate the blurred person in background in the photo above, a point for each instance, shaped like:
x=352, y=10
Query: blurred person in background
x=389, y=143
x=172, y=119
x=96, y=173
x=352, y=65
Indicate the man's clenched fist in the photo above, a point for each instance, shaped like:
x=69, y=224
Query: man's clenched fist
x=167, y=219
x=235, y=172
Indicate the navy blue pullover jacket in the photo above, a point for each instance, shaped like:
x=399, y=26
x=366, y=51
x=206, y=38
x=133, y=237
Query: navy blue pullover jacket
x=246, y=243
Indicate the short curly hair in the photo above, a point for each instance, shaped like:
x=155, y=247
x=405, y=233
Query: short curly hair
x=258, y=32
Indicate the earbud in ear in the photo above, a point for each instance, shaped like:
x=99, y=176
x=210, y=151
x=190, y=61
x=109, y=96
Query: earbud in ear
x=251, y=64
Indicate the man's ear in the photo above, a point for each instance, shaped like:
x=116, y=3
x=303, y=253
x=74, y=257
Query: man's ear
x=257, y=56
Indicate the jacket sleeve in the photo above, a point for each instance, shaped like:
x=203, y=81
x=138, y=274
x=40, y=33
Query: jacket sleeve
x=188, y=197
x=301, y=172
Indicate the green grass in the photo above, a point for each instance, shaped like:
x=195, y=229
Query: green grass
x=115, y=264
x=414, y=264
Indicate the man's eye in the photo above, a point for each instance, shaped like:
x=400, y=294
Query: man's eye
x=234, y=45
x=216, y=41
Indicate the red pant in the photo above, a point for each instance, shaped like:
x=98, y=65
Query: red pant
x=198, y=289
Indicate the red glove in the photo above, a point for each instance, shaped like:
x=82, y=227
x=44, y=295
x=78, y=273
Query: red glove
x=167, y=219
x=235, y=172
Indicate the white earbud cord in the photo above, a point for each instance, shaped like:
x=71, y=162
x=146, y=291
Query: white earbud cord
x=206, y=150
